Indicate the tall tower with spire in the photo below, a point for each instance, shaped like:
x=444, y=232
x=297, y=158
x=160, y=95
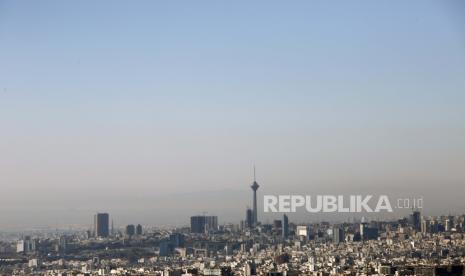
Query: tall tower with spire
x=254, y=187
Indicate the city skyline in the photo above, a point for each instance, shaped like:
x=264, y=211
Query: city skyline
x=299, y=217
x=155, y=112
x=240, y=138
x=207, y=248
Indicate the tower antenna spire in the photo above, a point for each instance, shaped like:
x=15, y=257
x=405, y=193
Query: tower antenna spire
x=254, y=177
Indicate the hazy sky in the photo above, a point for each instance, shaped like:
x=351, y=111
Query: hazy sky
x=155, y=111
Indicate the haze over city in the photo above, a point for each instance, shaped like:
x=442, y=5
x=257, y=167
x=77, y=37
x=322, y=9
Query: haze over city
x=154, y=112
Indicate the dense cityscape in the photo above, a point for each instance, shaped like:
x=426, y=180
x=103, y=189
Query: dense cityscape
x=415, y=245
x=129, y=130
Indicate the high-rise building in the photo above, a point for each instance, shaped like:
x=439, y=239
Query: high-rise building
x=415, y=220
x=338, y=235
x=26, y=245
x=285, y=226
x=177, y=239
x=368, y=233
x=211, y=223
x=139, y=231
x=254, y=187
x=101, y=225
x=249, y=218
x=203, y=224
x=130, y=230
x=448, y=223
x=425, y=226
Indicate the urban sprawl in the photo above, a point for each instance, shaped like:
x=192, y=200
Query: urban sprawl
x=415, y=245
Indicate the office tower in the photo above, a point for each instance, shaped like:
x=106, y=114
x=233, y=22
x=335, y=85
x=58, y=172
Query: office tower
x=177, y=239
x=101, y=225
x=363, y=226
x=415, y=220
x=425, y=226
x=139, y=231
x=254, y=187
x=338, y=235
x=249, y=218
x=368, y=233
x=285, y=226
x=130, y=230
x=198, y=224
x=211, y=223
x=26, y=245
x=203, y=224
x=448, y=224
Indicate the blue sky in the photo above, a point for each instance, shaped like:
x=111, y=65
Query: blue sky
x=127, y=99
